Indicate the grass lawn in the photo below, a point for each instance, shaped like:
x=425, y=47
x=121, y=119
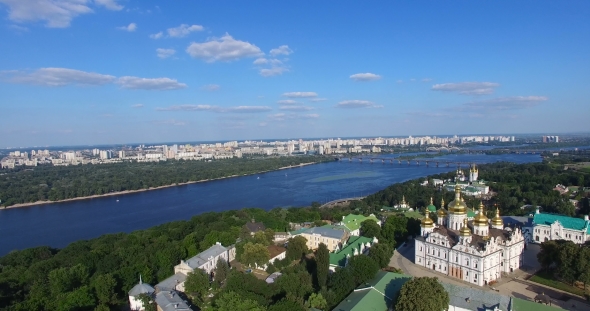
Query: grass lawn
x=547, y=279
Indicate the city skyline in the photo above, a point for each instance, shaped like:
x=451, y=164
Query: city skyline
x=90, y=72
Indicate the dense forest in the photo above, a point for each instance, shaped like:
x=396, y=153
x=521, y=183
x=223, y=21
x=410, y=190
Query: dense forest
x=96, y=274
x=516, y=185
x=53, y=183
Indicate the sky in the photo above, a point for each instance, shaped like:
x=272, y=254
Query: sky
x=78, y=72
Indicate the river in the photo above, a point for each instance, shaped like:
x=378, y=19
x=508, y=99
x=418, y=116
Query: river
x=58, y=224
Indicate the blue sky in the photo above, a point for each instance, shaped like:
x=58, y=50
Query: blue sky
x=121, y=71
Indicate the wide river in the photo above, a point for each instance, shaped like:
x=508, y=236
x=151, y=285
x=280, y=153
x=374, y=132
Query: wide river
x=59, y=224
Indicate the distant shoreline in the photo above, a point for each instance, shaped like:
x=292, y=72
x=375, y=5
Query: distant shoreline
x=148, y=189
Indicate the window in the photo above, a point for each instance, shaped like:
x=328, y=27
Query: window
x=419, y=260
x=457, y=259
x=476, y=265
x=467, y=273
x=420, y=248
x=467, y=262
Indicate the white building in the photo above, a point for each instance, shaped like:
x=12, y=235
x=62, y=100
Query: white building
x=477, y=251
x=473, y=173
x=207, y=260
x=548, y=227
x=141, y=288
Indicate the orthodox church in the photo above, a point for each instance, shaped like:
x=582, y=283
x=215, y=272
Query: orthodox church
x=477, y=250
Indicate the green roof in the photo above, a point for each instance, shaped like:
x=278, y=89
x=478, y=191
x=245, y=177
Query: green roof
x=353, y=222
x=377, y=295
x=337, y=227
x=339, y=258
x=413, y=214
x=299, y=231
x=431, y=208
x=566, y=221
x=525, y=305
x=470, y=213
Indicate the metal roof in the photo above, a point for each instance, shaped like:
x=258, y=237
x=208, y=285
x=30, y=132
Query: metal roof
x=471, y=298
x=171, y=282
x=327, y=232
x=170, y=301
x=141, y=288
x=203, y=257
x=568, y=222
x=354, y=242
x=377, y=295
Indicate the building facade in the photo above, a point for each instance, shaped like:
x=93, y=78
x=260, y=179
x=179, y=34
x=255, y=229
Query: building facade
x=333, y=238
x=547, y=227
x=477, y=251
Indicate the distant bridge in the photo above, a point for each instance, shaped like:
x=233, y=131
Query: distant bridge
x=443, y=148
x=340, y=201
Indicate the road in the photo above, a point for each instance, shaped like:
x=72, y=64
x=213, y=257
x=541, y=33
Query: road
x=515, y=285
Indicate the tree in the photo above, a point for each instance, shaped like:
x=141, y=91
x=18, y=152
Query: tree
x=395, y=229
x=422, y=294
x=370, y=229
x=322, y=259
x=548, y=255
x=568, y=261
x=296, y=247
x=362, y=268
x=104, y=287
x=231, y=301
x=255, y=254
x=295, y=285
x=221, y=271
x=197, y=284
x=286, y=305
x=381, y=253
x=316, y=301
x=148, y=302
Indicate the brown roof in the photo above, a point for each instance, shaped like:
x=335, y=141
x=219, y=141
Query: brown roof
x=275, y=250
x=477, y=241
x=255, y=226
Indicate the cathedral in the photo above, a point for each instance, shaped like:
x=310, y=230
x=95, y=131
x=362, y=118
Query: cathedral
x=477, y=251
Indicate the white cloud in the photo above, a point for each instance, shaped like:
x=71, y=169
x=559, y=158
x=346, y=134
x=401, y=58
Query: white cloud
x=300, y=94
x=55, y=13
x=355, y=103
x=287, y=102
x=365, y=77
x=18, y=28
x=426, y=80
x=273, y=71
x=467, y=88
x=131, y=27
x=317, y=99
x=296, y=108
x=412, y=80
x=157, y=36
x=137, y=106
x=211, y=87
x=165, y=53
x=170, y=122
x=291, y=116
x=261, y=61
x=59, y=77
x=183, y=30
x=161, y=84
x=281, y=50
x=400, y=81
x=504, y=103
x=218, y=109
x=109, y=4
x=225, y=48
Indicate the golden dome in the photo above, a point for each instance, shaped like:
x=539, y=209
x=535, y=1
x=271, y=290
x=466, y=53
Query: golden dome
x=426, y=222
x=497, y=220
x=465, y=229
x=480, y=219
x=458, y=206
x=442, y=212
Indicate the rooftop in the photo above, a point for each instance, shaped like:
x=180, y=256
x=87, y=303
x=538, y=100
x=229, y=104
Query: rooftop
x=170, y=301
x=470, y=298
x=203, y=257
x=339, y=258
x=275, y=250
x=376, y=295
x=171, y=282
x=568, y=222
x=141, y=288
x=353, y=222
x=328, y=232
x=525, y=305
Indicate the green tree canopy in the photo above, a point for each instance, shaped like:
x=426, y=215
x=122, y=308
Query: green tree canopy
x=381, y=253
x=255, y=254
x=422, y=294
x=197, y=284
x=296, y=247
x=363, y=268
x=232, y=301
x=322, y=259
x=221, y=271
x=370, y=229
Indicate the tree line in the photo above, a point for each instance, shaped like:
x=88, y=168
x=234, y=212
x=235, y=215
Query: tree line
x=53, y=183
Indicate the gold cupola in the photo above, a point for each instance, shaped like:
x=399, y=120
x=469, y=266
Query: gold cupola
x=458, y=206
x=497, y=220
x=480, y=219
x=426, y=222
x=465, y=229
x=442, y=212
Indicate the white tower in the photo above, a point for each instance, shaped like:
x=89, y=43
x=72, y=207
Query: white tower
x=457, y=211
x=442, y=214
x=481, y=226
x=497, y=222
x=426, y=224
x=473, y=173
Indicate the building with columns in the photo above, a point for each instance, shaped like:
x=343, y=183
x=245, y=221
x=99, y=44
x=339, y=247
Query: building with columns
x=477, y=251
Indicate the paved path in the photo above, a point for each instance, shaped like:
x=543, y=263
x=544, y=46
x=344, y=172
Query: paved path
x=514, y=285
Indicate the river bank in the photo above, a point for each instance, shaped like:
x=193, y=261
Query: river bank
x=148, y=189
